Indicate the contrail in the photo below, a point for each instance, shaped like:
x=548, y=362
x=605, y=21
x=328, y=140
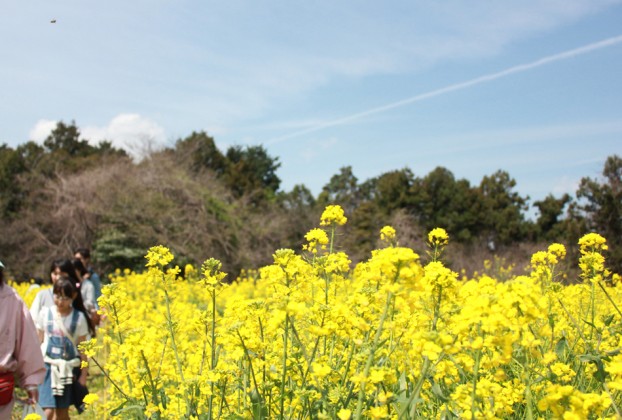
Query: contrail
x=457, y=86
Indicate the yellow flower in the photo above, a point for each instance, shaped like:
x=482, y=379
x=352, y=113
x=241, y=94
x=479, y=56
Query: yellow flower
x=387, y=234
x=316, y=237
x=158, y=255
x=32, y=416
x=91, y=398
x=189, y=271
x=212, y=276
x=558, y=250
x=89, y=347
x=438, y=237
x=333, y=215
x=383, y=397
x=320, y=370
x=593, y=242
x=380, y=412
x=344, y=414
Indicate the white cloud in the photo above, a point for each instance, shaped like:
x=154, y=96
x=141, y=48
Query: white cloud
x=134, y=133
x=41, y=130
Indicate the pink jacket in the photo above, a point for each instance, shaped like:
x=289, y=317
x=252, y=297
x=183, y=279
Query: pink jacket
x=20, y=350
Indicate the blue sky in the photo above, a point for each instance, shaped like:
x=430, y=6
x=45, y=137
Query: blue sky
x=530, y=87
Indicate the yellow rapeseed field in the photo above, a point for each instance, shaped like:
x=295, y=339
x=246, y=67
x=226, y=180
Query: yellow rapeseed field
x=311, y=337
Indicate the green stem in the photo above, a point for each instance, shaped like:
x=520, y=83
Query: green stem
x=250, y=364
x=116, y=321
x=347, y=368
x=261, y=336
x=154, y=393
x=613, y=401
x=101, y=368
x=213, y=355
x=610, y=300
x=437, y=308
x=416, y=391
x=370, y=358
x=426, y=362
x=478, y=358
x=529, y=402
x=203, y=352
x=284, y=375
x=576, y=325
x=593, y=308
x=169, y=324
x=162, y=356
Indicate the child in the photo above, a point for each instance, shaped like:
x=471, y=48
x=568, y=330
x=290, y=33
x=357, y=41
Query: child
x=62, y=328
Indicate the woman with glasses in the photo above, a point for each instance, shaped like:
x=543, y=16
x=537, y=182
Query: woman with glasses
x=44, y=298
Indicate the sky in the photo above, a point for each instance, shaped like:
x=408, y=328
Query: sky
x=533, y=88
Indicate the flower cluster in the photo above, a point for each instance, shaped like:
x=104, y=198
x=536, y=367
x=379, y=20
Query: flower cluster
x=387, y=234
x=315, y=237
x=438, y=237
x=386, y=338
x=333, y=215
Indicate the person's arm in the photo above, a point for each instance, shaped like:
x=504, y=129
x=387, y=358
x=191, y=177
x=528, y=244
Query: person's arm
x=97, y=284
x=35, y=307
x=88, y=295
x=30, y=368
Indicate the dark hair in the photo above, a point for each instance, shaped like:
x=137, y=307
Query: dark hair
x=67, y=287
x=83, y=251
x=66, y=267
x=79, y=266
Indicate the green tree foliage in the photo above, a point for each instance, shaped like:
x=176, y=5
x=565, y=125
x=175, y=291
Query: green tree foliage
x=300, y=199
x=11, y=193
x=203, y=203
x=549, y=223
x=342, y=189
x=601, y=202
x=200, y=153
x=251, y=171
x=439, y=200
x=66, y=138
x=502, y=213
x=392, y=190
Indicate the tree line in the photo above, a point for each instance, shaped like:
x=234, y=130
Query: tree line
x=203, y=202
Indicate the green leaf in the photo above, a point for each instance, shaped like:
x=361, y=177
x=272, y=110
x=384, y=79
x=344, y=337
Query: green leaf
x=438, y=392
x=562, y=348
x=600, y=375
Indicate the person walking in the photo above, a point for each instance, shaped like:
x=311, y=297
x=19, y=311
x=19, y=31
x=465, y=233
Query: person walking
x=20, y=353
x=61, y=329
x=45, y=298
x=84, y=255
